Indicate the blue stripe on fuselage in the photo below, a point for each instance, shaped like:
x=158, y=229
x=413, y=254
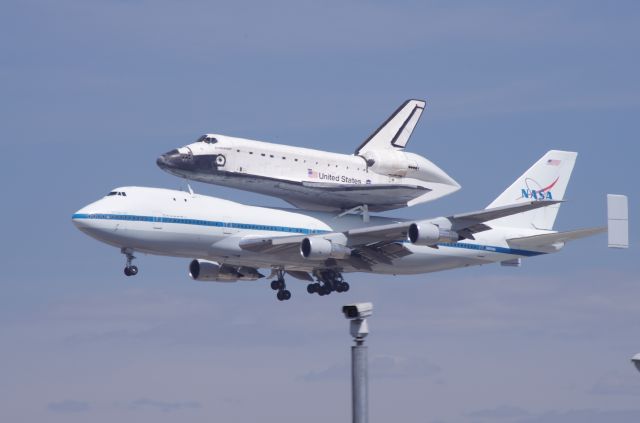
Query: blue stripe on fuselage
x=305, y=231
x=197, y=222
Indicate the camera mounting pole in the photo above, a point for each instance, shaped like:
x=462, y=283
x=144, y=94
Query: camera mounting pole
x=359, y=329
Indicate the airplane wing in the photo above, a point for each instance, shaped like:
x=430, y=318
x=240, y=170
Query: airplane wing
x=383, y=243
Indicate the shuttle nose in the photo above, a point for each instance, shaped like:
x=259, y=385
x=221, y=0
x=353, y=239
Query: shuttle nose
x=175, y=160
x=168, y=159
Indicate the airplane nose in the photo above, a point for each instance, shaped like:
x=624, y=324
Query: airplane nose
x=81, y=218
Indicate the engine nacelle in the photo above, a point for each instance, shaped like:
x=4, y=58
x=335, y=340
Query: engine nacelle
x=426, y=233
x=204, y=270
x=318, y=248
x=387, y=162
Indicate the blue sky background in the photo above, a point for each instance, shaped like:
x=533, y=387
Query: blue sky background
x=93, y=91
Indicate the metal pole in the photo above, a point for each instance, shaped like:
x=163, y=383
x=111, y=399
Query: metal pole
x=359, y=382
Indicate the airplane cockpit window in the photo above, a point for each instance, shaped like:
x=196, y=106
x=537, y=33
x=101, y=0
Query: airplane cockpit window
x=207, y=139
x=121, y=193
x=112, y=193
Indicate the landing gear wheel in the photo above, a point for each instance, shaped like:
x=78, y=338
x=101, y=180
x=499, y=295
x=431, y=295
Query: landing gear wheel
x=283, y=295
x=129, y=269
x=329, y=280
x=277, y=285
x=280, y=286
x=311, y=288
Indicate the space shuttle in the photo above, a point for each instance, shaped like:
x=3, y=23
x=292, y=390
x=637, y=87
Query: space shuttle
x=380, y=175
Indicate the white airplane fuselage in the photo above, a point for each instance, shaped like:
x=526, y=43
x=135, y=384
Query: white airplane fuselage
x=176, y=223
x=311, y=179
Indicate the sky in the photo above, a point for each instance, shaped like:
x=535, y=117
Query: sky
x=93, y=91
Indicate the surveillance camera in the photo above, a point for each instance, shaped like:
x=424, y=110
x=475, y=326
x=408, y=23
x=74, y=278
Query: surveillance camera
x=636, y=360
x=357, y=310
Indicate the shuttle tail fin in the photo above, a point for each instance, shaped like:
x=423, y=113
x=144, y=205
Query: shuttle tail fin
x=547, y=179
x=395, y=132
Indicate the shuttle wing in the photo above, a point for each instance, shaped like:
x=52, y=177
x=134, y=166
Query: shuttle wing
x=346, y=196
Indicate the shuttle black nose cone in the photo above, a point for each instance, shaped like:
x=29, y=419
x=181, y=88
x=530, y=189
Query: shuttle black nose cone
x=170, y=160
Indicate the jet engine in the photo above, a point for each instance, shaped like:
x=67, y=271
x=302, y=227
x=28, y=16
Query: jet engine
x=388, y=162
x=426, y=233
x=204, y=270
x=318, y=248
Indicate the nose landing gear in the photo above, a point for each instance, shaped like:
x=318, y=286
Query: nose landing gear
x=129, y=269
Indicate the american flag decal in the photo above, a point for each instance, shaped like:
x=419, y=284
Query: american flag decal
x=553, y=162
x=312, y=173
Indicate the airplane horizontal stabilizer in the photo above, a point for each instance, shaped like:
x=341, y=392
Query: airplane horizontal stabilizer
x=552, y=241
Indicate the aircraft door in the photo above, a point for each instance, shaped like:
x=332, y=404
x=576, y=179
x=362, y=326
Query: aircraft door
x=157, y=221
x=228, y=227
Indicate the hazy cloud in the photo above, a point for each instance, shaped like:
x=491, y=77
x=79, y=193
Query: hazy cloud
x=164, y=406
x=586, y=416
x=68, y=406
x=617, y=384
x=502, y=412
x=381, y=367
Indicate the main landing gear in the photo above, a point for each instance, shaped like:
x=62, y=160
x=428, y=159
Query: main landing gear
x=328, y=282
x=280, y=286
x=129, y=269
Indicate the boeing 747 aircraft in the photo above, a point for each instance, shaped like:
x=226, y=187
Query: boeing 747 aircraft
x=379, y=176
x=229, y=242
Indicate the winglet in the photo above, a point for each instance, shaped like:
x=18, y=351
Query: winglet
x=618, y=220
x=395, y=132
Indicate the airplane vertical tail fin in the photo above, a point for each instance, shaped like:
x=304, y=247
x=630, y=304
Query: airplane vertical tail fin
x=547, y=179
x=395, y=132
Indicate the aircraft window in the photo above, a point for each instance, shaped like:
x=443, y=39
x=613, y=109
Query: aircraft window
x=238, y=151
x=202, y=138
x=262, y=154
x=271, y=155
x=283, y=158
x=112, y=193
x=295, y=160
x=210, y=140
x=250, y=152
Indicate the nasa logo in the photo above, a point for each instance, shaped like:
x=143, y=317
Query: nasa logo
x=537, y=194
